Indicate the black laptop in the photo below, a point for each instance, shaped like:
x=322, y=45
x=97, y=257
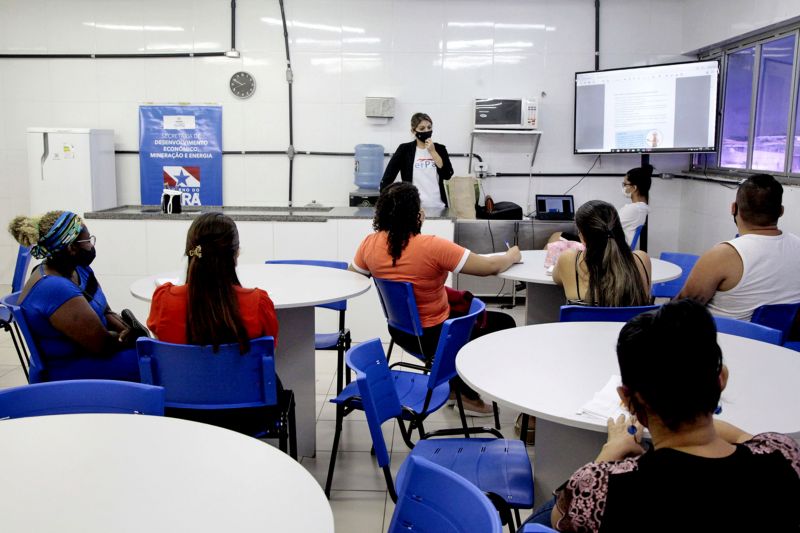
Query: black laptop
x=555, y=207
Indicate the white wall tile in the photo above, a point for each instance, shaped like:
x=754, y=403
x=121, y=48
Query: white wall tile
x=129, y=191
x=120, y=80
x=73, y=80
x=212, y=79
x=119, y=26
x=71, y=30
x=27, y=80
x=415, y=33
x=19, y=116
x=365, y=74
x=417, y=77
x=74, y=115
x=169, y=80
x=123, y=118
x=266, y=126
x=168, y=26
x=317, y=77
x=211, y=33
x=315, y=25
x=25, y=29
x=366, y=26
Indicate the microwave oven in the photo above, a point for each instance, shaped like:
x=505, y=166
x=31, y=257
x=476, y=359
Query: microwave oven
x=506, y=113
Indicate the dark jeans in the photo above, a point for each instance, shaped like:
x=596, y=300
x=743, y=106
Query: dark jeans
x=542, y=514
x=495, y=321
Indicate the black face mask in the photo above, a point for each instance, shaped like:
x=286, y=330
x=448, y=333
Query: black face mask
x=423, y=135
x=85, y=257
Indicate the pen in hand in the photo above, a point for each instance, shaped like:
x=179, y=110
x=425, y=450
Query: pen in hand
x=508, y=246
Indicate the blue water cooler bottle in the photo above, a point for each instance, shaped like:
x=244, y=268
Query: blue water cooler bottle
x=368, y=173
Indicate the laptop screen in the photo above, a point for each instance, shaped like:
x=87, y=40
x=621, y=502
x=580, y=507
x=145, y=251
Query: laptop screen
x=555, y=204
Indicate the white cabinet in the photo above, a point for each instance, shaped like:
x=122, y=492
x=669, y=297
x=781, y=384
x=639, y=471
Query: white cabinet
x=71, y=169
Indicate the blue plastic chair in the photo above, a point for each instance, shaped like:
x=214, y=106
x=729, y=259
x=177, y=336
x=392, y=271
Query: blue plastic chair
x=636, y=234
x=35, y=371
x=498, y=467
x=197, y=378
x=6, y=318
x=401, y=312
x=748, y=329
x=670, y=289
x=338, y=340
x=792, y=345
x=777, y=316
x=419, y=394
x=433, y=498
x=583, y=313
x=81, y=396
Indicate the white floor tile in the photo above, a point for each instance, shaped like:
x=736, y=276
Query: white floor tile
x=359, y=511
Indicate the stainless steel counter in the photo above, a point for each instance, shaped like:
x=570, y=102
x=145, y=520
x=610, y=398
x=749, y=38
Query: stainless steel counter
x=489, y=236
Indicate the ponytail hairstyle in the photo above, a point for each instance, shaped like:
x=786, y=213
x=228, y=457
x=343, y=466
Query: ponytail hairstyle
x=642, y=178
x=397, y=212
x=614, y=278
x=212, y=312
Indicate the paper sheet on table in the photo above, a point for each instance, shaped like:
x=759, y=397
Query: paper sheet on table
x=161, y=281
x=503, y=253
x=605, y=404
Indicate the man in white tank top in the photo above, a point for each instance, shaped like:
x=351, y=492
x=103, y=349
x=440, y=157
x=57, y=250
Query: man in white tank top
x=757, y=268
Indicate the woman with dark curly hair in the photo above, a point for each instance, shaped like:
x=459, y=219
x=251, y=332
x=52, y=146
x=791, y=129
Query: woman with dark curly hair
x=398, y=251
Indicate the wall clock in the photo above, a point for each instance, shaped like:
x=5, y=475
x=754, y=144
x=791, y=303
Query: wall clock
x=243, y=84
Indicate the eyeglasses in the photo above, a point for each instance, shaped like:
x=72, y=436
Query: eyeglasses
x=92, y=239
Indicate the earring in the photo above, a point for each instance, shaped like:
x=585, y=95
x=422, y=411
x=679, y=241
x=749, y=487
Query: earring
x=718, y=410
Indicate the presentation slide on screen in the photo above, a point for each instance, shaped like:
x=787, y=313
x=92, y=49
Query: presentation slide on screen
x=665, y=107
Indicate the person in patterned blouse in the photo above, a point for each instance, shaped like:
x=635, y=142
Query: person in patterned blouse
x=699, y=474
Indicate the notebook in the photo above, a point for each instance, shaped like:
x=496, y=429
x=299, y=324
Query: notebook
x=555, y=207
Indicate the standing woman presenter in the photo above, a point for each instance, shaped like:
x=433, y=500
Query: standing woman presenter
x=421, y=162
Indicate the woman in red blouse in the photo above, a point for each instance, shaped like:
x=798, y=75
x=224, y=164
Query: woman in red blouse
x=212, y=308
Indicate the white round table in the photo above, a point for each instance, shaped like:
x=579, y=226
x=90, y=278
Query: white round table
x=550, y=370
x=295, y=290
x=543, y=298
x=132, y=473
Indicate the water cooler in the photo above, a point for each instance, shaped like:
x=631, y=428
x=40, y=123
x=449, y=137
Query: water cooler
x=368, y=174
x=71, y=169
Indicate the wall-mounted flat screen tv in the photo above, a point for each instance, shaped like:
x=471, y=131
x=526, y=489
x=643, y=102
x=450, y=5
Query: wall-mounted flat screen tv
x=661, y=108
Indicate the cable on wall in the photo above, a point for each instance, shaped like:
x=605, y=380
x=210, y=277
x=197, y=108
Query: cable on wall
x=290, y=151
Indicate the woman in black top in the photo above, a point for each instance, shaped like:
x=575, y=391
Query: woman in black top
x=423, y=162
x=700, y=474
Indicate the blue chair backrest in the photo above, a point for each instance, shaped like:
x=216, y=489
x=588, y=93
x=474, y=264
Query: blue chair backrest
x=777, y=316
x=433, y=498
x=21, y=268
x=36, y=369
x=377, y=390
x=748, y=329
x=636, y=235
x=399, y=305
x=455, y=334
x=196, y=377
x=81, y=396
x=341, y=305
x=583, y=313
x=670, y=289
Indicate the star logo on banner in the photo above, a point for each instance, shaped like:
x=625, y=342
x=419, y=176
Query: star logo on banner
x=182, y=177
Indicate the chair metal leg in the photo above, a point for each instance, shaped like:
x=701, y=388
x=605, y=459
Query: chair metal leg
x=460, y=405
x=23, y=360
x=519, y=520
x=292, y=430
x=523, y=429
x=334, y=449
x=496, y=415
x=339, y=365
x=389, y=353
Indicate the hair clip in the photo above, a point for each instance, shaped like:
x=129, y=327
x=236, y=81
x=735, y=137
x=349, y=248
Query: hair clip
x=197, y=252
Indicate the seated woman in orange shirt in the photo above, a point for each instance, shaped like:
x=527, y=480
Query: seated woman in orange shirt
x=212, y=308
x=398, y=251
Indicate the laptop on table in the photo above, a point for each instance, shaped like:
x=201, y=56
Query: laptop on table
x=555, y=207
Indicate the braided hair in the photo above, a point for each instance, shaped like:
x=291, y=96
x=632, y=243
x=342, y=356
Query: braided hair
x=397, y=212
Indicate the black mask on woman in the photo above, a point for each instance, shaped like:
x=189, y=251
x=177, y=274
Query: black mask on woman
x=423, y=135
x=85, y=257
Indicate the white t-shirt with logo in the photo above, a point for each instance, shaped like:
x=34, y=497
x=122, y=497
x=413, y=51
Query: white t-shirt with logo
x=426, y=179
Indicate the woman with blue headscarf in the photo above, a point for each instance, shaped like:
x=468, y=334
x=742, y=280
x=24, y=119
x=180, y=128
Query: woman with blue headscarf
x=77, y=335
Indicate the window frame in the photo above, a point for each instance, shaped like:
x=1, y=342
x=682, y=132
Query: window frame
x=699, y=161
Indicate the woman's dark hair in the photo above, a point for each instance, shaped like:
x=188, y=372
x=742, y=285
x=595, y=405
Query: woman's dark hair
x=671, y=358
x=397, y=212
x=642, y=177
x=416, y=118
x=614, y=278
x=212, y=313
